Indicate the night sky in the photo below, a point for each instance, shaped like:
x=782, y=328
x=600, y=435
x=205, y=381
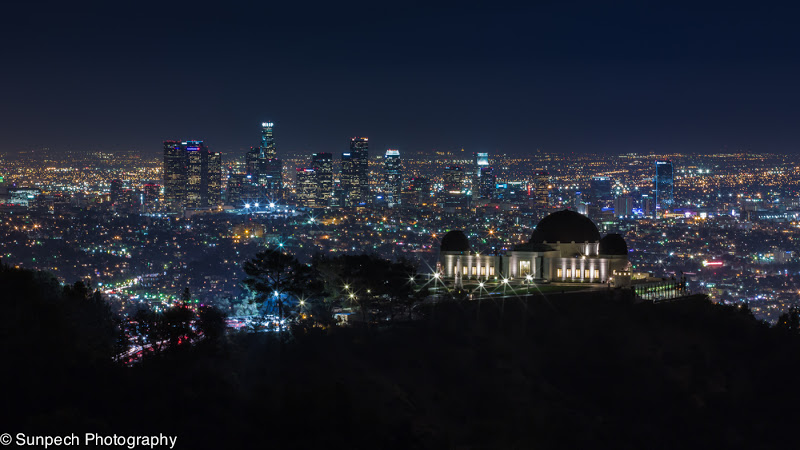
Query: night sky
x=486, y=76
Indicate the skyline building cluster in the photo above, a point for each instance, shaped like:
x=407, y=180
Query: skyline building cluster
x=192, y=175
x=264, y=170
x=192, y=179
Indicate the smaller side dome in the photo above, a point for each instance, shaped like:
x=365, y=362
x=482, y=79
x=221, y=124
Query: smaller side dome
x=613, y=244
x=454, y=241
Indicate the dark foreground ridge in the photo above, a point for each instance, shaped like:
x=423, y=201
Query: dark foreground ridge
x=581, y=370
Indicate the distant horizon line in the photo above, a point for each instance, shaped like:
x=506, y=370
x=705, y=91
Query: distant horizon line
x=431, y=152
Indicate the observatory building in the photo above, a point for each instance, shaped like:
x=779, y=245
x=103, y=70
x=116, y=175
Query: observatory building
x=565, y=247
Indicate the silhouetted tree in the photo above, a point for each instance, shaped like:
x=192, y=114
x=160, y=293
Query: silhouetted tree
x=271, y=275
x=211, y=322
x=186, y=296
x=789, y=321
x=177, y=324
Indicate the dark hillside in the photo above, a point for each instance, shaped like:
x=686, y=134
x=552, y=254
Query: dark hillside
x=572, y=371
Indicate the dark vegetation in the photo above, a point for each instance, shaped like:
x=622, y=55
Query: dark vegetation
x=578, y=370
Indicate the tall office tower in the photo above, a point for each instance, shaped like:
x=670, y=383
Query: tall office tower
x=481, y=162
x=392, y=178
x=455, y=195
x=265, y=170
x=541, y=189
x=600, y=189
x=481, y=159
x=174, y=175
x=322, y=163
x=214, y=179
x=359, y=151
x=267, y=141
x=339, y=197
x=236, y=188
x=348, y=180
x=306, y=187
x=272, y=178
x=192, y=175
x=251, y=162
x=197, y=175
x=623, y=206
x=663, y=185
x=115, y=190
x=488, y=183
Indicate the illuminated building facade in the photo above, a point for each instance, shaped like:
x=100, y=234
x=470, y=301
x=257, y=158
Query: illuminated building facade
x=481, y=159
x=214, y=179
x=174, y=175
x=322, y=163
x=359, y=153
x=392, y=177
x=600, y=190
x=541, y=190
x=488, y=183
x=306, y=187
x=349, y=180
x=192, y=175
x=236, y=189
x=623, y=207
x=565, y=247
x=663, y=185
x=264, y=168
x=267, y=141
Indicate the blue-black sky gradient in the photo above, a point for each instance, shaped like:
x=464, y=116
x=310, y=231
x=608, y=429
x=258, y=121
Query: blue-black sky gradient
x=567, y=76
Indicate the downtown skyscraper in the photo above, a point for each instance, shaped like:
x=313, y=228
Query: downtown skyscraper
x=392, y=179
x=192, y=175
x=267, y=141
x=264, y=168
x=663, y=185
x=541, y=191
x=355, y=173
x=306, y=187
x=322, y=163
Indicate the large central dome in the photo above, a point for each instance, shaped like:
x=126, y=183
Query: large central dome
x=565, y=226
x=455, y=241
